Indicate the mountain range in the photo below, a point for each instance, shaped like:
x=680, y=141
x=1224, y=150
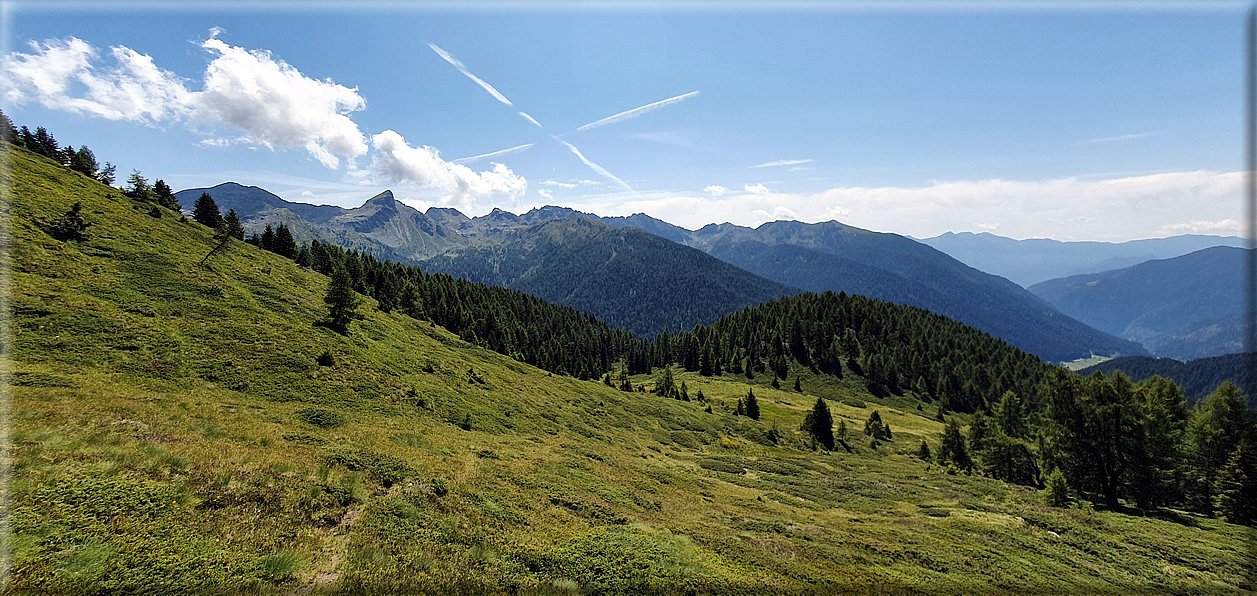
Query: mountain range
x=1035, y=260
x=671, y=277
x=1184, y=307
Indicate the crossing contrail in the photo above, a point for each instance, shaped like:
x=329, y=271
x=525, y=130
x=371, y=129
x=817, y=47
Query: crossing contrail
x=515, y=149
x=463, y=69
x=635, y=112
x=593, y=166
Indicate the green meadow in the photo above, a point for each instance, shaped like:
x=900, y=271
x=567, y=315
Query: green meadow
x=184, y=427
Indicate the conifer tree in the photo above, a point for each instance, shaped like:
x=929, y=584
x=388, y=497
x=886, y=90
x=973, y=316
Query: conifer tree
x=138, y=188
x=752, y=405
x=953, y=448
x=234, y=228
x=206, y=213
x=1236, y=486
x=84, y=162
x=284, y=244
x=1057, y=489
x=923, y=451
x=164, y=196
x=267, y=243
x=341, y=300
x=820, y=424
x=8, y=134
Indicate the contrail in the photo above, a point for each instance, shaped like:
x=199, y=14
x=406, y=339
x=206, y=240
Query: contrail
x=635, y=112
x=463, y=69
x=783, y=162
x=593, y=166
x=531, y=119
x=515, y=149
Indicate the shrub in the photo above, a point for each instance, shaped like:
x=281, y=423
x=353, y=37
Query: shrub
x=385, y=469
x=320, y=417
x=327, y=359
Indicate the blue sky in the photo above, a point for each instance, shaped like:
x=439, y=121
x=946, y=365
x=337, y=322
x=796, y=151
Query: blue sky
x=1106, y=124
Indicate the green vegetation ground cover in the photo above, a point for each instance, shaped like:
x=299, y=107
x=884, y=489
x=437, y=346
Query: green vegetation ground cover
x=157, y=444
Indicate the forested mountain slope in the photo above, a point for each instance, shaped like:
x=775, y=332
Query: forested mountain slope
x=631, y=279
x=1186, y=307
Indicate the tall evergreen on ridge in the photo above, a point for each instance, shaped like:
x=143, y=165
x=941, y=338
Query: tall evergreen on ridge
x=206, y=213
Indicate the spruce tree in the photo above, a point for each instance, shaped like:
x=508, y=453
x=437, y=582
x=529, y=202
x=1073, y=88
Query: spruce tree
x=267, y=243
x=752, y=405
x=820, y=424
x=953, y=448
x=164, y=196
x=923, y=451
x=284, y=244
x=234, y=228
x=206, y=213
x=341, y=300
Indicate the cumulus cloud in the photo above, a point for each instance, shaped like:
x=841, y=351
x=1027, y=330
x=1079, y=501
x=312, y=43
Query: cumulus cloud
x=266, y=99
x=423, y=166
x=715, y=190
x=757, y=189
x=276, y=105
x=558, y=184
x=61, y=75
x=547, y=195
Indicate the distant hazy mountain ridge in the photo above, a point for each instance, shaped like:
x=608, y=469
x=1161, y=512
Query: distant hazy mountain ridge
x=1028, y=262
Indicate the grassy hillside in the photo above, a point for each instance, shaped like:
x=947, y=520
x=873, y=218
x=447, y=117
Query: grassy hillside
x=173, y=429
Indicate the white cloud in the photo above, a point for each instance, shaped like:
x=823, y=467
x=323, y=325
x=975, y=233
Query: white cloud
x=60, y=75
x=715, y=190
x=1225, y=227
x=757, y=189
x=423, y=167
x=782, y=162
x=1113, y=209
x=558, y=184
x=547, y=195
x=276, y=105
x=635, y=112
x=270, y=102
